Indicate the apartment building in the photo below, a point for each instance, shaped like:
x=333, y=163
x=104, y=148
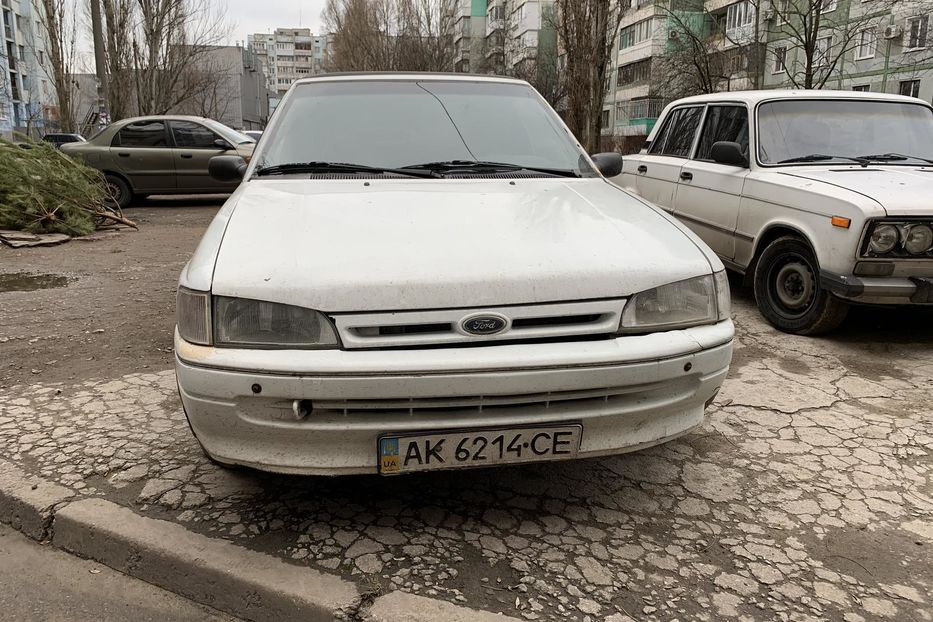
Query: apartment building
x=27, y=95
x=632, y=102
x=881, y=46
x=891, y=47
x=501, y=36
x=289, y=54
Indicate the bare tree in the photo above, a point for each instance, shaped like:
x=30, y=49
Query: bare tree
x=389, y=35
x=171, y=38
x=218, y=91
x=703, y=55
x=813, y=38
x=58, y=19
x=587, y=31
x=119, y=23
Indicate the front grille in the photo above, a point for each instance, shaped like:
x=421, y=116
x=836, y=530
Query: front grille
x=554, y=321
x=478, y=403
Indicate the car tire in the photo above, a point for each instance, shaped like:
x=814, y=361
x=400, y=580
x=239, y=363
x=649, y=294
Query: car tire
x=788, y=291
x=120, y=192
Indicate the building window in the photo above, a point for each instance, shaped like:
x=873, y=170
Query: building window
x=604, y=119
x=867, y=41
x=829, y=6
x=821, y=53
x=910, y=88
x=635, y=34
x=917, y=32
x=782, y=7
x=41, y=56
x=780, y=58
x=634, y=73
x=739, y=15
x=862, y=87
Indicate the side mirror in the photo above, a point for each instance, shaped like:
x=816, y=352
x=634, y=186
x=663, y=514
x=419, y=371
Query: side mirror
x=226, y=167
x=220, y=143
x=725, y=152
x=609, y=164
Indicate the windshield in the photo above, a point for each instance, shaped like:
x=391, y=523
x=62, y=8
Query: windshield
x=235, y=137
x=395, y=124
x=793, y=129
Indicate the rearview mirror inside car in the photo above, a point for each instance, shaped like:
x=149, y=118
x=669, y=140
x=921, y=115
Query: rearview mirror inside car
x=726, y=152
x=226, y=167
x=609, y=164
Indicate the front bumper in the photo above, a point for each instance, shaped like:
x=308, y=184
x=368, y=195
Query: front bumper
x=628, y=393
x=891, y=290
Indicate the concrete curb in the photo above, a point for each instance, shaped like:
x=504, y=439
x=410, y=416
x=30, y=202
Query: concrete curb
x=405, y=607
x=28, y=503
x=206, y=570
x=210, y=571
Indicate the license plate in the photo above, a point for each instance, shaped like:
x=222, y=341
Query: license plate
x=452, y=450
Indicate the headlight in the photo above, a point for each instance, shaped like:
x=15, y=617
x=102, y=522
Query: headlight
x=254, y=323
x=193, y=315
x=701, y=300
x=919, y=239
x=883, y=239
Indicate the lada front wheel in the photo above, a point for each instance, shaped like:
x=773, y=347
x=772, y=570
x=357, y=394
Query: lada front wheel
x=788, y=292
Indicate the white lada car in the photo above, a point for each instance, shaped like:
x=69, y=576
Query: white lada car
x=427, y=272
x=821, y=198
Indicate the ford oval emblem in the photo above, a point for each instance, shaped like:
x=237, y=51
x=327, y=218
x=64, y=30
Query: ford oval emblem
x=484, y=324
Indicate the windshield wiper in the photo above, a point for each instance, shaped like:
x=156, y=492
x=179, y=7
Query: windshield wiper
x=335, y=167
x=480, y=166
x=819, y=157
x=894, y=157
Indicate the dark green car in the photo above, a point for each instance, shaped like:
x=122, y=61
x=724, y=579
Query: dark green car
x=164, y=154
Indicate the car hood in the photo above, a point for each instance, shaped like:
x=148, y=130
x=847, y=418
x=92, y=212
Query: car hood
x=428, y=244
x=900, y=190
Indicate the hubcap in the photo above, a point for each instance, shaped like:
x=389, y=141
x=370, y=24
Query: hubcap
x=794, y=285
x=115, y=192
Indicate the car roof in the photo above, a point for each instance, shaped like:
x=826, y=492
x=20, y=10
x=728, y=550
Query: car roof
x=754, y=97
x=389, y=76
x=164, y=117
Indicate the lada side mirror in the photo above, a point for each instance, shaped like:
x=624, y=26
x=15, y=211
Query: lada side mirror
x=726, y=152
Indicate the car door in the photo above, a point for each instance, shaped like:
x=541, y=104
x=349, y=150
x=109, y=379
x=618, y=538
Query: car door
x=194, y=146
x=658, y=170
x=141, y=151
x=709, y=193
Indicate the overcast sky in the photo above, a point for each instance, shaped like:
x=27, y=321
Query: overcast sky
x=249, y=16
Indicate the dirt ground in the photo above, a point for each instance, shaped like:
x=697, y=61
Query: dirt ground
x=116, y=313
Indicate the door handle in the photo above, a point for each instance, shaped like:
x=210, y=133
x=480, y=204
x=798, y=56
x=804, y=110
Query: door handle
x=642, y=169
x=187, y=156
x=686, y=176
x=123, y=154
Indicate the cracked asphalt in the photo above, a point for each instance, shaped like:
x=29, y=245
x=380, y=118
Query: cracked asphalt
x=807, y=495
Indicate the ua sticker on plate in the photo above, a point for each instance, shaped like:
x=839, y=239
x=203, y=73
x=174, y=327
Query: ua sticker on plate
x=388, y=455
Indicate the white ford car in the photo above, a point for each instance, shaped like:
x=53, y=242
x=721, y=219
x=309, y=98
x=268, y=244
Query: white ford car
x=427, y=272
x=821, y=198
